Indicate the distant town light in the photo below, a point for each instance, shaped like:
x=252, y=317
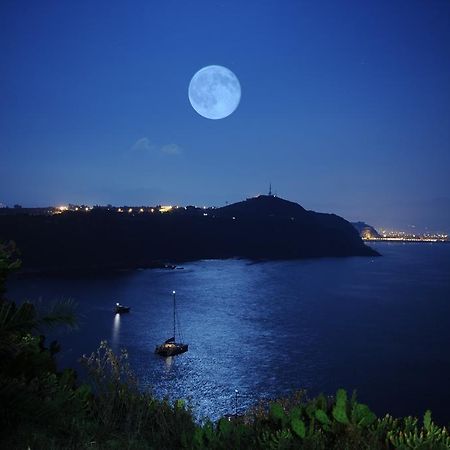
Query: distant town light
x=165, y=208
x=141, y=210
x=63, y=208
x=130, y=210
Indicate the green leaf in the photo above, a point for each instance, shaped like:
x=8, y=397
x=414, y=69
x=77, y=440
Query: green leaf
x=341, y=398
x=362, y=415
x=340, y=415
x=298, y=426
x=225, y=427
x=208, y=431
x=310, y=410
x=296, y=412
x=84, y=391
x=321, y=402
x=339, y=411
x=322, y=417
x=427, y=423
x=198, y=437
x=276, y=412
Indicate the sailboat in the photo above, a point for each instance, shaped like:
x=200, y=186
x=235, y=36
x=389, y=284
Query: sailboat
x=170, y=347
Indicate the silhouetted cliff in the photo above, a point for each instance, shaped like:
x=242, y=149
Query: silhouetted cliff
x=264, y=227
x=366, y=231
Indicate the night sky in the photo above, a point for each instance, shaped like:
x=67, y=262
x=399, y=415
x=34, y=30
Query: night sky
x=345, y=105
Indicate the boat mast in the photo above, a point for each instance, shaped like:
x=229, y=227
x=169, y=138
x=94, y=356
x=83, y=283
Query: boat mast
x=173, y=292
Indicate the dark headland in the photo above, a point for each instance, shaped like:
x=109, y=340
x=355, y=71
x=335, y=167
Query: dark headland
x=260, y=228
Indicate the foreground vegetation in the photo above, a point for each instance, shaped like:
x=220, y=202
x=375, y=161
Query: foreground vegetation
x=43, y=408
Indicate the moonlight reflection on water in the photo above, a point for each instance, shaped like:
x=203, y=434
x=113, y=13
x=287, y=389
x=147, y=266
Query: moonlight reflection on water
x=376, y=325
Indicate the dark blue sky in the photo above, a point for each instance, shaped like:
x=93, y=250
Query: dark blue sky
x=345, y=105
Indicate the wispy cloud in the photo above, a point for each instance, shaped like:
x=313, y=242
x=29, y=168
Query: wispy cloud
x=145, y=145
x=171, y=149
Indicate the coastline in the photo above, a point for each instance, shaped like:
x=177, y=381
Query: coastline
x=173, y=264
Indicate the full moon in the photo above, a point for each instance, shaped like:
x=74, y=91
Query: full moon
x=214, y=92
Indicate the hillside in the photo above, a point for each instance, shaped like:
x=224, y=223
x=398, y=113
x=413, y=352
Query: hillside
x=265, y=227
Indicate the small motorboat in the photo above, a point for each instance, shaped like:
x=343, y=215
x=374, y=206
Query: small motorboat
x=170, y=347
x=119, y=309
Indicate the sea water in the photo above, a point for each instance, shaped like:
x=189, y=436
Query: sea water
x=380, y=326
